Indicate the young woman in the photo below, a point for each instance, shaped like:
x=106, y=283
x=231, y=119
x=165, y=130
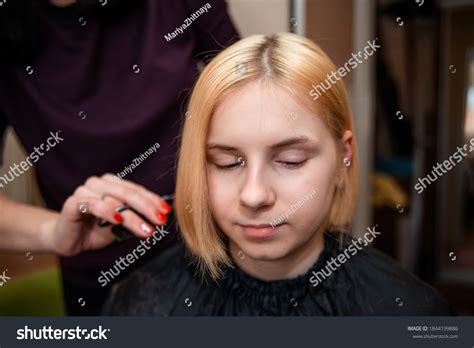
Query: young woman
x=266, y=186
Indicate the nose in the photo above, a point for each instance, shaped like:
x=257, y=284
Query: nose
x=257, y=191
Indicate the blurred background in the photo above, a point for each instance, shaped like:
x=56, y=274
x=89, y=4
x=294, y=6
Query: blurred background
x=413, y=104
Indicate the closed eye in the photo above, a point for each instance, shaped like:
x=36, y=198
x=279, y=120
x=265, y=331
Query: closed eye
x=286, y=164
x=227, y=167
x=292, y=165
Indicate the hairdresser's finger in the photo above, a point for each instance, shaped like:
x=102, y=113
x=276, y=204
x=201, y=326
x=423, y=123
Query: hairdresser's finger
x=129, y=196
x=107, y=209
x=82, y=191
x=96, y=206
x=135, y=224
x=77, y=205
x=153, y=197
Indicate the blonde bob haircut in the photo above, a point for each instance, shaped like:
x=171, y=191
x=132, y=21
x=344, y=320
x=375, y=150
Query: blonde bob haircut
x=290, y=61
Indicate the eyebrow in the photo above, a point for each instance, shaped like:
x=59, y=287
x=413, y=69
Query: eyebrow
x=281, y=144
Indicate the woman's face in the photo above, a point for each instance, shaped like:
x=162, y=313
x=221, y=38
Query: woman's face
x=265, y=153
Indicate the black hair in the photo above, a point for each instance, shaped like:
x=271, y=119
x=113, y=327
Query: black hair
x=20, y=27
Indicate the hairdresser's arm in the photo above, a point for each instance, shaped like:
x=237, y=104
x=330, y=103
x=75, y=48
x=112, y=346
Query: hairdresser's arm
x=74, y=229
x=24, y=227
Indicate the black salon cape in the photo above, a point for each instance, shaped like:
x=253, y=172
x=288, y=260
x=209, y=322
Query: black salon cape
x=369, y=283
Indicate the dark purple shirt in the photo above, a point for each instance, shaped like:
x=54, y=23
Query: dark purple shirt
x=113, y=90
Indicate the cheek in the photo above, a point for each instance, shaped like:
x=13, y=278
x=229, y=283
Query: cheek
x=322, y=178
x=221, y=195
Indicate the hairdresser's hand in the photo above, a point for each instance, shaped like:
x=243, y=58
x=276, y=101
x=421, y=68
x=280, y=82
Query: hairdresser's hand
x=76, y=228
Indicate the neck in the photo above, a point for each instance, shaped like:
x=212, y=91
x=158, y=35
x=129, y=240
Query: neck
x=296, y=263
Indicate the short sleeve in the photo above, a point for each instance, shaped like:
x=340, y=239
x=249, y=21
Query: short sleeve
x=3, y=127
x=212, y=26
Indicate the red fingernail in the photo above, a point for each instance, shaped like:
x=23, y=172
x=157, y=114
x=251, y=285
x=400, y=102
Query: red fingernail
x=118, y=218
x=166, y=208
x=161, y=217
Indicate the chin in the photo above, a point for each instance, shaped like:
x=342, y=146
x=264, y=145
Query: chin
x=269, y=252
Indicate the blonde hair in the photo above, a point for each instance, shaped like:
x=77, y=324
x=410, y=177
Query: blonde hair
x=292, y=62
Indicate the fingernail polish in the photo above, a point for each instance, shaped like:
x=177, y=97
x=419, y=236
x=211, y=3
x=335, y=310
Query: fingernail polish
x=161, y=217
x=145, y=228
x=118, y=217
x=166, y=208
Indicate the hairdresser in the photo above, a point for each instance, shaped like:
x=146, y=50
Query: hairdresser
x=94, y=87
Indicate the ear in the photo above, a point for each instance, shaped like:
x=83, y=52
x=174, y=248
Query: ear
x=347, y=144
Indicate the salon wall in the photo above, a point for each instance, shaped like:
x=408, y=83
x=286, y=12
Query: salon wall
x=329, y=23
x=260, y=16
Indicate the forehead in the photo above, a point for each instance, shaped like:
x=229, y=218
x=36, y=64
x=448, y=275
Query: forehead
x=263, y=111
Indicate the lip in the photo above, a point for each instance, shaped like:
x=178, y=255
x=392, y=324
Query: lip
x=259, y=231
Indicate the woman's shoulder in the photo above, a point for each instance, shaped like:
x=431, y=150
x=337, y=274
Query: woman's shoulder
x=388, y=289
x=152, y=288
